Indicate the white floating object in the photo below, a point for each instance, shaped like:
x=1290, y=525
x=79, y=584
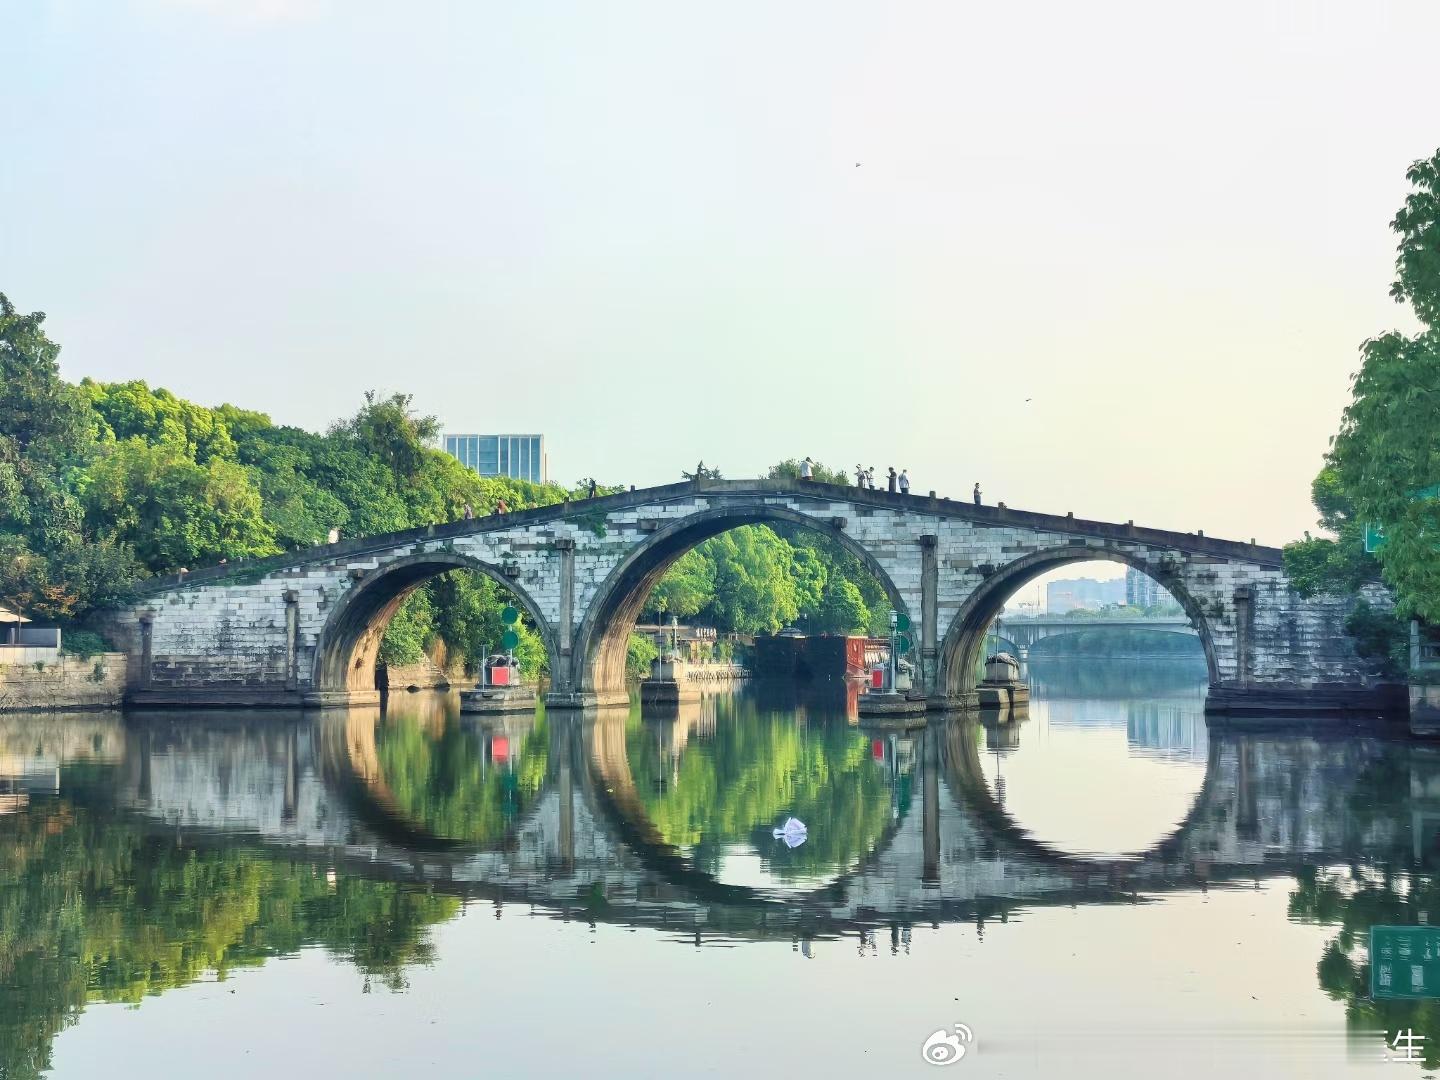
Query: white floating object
x=793, y=832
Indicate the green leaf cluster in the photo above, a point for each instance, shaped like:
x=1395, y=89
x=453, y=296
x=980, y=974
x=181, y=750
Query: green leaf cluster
x=1384, y=462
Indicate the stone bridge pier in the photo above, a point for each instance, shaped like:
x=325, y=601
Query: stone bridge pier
x=305, y=628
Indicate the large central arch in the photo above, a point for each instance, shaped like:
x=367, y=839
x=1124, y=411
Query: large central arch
x=960, y=651
x=349, y=644
x=601, y=644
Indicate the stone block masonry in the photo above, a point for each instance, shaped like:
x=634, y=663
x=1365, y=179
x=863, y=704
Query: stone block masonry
x=67, y=682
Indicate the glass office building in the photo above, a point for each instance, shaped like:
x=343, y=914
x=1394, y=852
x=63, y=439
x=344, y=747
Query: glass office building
x=520, y=457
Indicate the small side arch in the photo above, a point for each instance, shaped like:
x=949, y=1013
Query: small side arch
x=599, y=656
x=961, y=647
x=349, y=643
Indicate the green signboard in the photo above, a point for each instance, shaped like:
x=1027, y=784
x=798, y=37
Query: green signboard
x=1404, y=962
x=1375, y=533
x=902, y=621
x=1374, y=537
x=509, y=616
x=509, y=639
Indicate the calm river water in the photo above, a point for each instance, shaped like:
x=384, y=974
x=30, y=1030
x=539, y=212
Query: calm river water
x=1104, y=889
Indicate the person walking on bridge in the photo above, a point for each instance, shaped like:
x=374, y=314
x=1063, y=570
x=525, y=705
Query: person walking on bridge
x=890, y=480
x=870, y=478
x=859, y=476
x=807, y=469
x=977, y=492
x=904, y=482
x=469, y=512
x=592, y=487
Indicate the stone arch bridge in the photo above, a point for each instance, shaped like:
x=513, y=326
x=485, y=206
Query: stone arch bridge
x=305, y=628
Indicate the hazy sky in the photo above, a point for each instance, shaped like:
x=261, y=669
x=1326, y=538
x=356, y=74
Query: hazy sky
x=640, y=228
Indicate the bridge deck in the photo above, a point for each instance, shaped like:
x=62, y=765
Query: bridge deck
x=586, y=509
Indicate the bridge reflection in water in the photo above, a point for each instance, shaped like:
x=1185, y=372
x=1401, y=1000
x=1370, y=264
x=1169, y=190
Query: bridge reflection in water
x=627, y=820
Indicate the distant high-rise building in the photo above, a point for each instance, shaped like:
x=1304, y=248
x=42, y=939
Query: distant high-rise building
x=520, y=457
x=1074, y=593
x=1143, y=591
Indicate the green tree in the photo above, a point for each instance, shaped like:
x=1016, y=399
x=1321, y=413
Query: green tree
x=754, y=584
x=687, y=588
x=392, y=431
x=410, y=630
x=843, y=610
x=131, y=410
x=640, y=651
x=50, y=565
x=1384, y=463
x=1388, y=452
x=173, y=511
x=1417, y=264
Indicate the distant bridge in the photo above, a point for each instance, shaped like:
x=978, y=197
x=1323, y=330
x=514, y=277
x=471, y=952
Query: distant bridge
x=305, y=628
x=1024, y=631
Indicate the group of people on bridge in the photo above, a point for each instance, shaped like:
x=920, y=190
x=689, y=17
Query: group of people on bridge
x=865, y=478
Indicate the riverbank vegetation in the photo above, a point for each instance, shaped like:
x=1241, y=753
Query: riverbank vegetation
x=1382, y=471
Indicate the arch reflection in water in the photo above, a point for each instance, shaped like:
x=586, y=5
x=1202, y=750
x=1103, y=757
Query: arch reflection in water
x=429, y=777
x=713, y=783
x=1100, y=776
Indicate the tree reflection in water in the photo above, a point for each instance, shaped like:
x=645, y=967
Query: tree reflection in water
x=456, y=779
x=716, y=785
x=92, y=908
x=1391, y=888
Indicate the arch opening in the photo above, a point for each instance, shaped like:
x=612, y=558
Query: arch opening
x=1107, y=754
x=962, y=651
x=471, y=594
x=602, y=644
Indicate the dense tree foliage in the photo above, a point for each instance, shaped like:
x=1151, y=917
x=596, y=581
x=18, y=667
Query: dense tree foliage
x=53, y=561
x=1384, y=464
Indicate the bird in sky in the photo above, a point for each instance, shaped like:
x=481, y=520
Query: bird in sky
x=857, y=164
